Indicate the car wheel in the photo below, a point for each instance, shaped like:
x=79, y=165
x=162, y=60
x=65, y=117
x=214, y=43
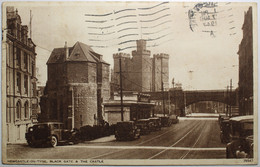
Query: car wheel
x=229, y=153
x=30, y=143
x=221, y=138
x=54, y=141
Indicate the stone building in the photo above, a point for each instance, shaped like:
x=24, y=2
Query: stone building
x=21, y=94
x=246, y=67
x=78, y=83
x=141, y=72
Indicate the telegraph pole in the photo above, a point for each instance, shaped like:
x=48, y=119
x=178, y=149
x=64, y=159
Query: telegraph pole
x=230, y=96
x=227, y=99
x=162, y=87
x=121, y=90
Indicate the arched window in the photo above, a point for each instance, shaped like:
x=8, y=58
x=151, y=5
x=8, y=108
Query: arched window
x=26, y=109
x=18, y=110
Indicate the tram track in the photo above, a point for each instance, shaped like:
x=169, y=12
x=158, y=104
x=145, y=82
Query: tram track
x=175, y=143
x=144, y=142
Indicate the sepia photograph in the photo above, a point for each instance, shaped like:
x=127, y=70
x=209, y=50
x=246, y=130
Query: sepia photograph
x=129, y=83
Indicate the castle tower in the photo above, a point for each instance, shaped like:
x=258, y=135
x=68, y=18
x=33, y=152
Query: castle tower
x=126, y=66
x=160, y=72
x=142, y=67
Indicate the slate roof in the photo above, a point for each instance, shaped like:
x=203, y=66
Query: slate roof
x=79, y=52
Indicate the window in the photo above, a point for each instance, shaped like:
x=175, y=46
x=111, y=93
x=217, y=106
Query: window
x=25, y=61
x=25, y=84
x=18, y=57
x=33, y=74
x=18, y=110
x=18, y=82
x=26, y=109
x=8, y=114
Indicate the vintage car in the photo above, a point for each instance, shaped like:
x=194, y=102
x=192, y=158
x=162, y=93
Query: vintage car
x=126, y=130
x=165, y=121
x=155, y=123
x=50, y=133
x=144, y=125
x=174, y=119
x=241, y=131
x=225, y=131
x=222, y=117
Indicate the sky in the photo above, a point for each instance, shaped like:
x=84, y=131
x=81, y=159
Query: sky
x=202, y=39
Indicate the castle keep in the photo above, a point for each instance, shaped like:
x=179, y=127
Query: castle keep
x=141, y=72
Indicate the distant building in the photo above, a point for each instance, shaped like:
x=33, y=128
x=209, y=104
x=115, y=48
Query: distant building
x=78, y=83
x=246, y=67
x=135, y=106
x=21, y=94
x=140, y=72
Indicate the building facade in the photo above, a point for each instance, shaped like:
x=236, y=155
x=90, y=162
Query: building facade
x=141, y=72
x=246, y=67
x=135, y=106
x=21, y=94
x=78, y=83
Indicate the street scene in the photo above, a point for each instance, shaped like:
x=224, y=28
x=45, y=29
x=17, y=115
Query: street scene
x=172, y=142
x=129, y=83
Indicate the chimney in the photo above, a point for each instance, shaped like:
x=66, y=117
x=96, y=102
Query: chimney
x=66, y=51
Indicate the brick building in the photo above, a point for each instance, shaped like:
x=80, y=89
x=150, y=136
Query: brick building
x=141, y=72
x=21, y=95
x=246, y=67
x=78, y=82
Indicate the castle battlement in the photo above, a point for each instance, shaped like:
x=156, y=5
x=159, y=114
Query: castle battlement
x=161, y=55
x=121, y=55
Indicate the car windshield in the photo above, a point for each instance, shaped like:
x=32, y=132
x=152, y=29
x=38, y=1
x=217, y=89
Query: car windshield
x=40, y=126
x=124, y=126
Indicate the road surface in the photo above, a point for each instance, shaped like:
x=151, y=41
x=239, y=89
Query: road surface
x=191, y=138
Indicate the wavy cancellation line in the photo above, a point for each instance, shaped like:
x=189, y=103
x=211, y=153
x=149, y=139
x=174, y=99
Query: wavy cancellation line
x=150, y=14
x=98, y=40
x=123, y=10
x=98, y=15
x=102, y=27
x=155, y=19
x=153, y=6
x=127, y=22
x=126, y=16
x=129, y=47
x=153, y=39
x=127, y=35
x=101, y=33
x=124, y=42
x=91, y=21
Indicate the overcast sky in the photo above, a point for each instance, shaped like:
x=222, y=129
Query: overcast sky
x=202, y=47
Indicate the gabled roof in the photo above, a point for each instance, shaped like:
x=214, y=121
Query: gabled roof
x=79, y=52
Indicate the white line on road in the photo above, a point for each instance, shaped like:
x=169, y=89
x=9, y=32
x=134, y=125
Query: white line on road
x=149, y=148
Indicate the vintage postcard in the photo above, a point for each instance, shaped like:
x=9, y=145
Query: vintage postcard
x=129, y=83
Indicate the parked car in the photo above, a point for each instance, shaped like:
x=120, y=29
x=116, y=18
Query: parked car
x=225, y=131
x=155, y=123
x=126, y=130
x=50, y=133
x=144, y=125
x=241, y=131
x=174, y=119
x=165, y=121
x=222, y=117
